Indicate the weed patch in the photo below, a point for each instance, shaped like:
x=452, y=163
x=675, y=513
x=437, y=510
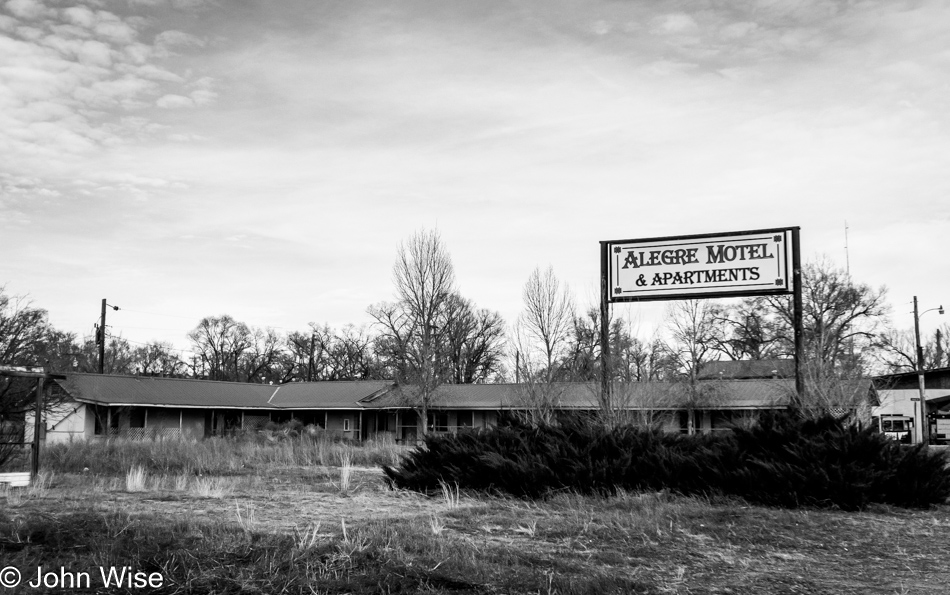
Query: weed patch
x=784, y=461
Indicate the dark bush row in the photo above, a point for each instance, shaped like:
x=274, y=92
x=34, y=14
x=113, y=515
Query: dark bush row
x=783, y=461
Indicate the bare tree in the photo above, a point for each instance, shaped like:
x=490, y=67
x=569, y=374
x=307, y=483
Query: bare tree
x=413, y=330
x=695, y=333
x=842, y=322
x=542, y=338
x=841, y=319
x=631, y=360
x=304, y=355
x=898, y=350
x=748, y=331
x=474, y=338
x=220, y=342
x=350, y=355
x=157, y=359
x=543, y=330
x=261, y=361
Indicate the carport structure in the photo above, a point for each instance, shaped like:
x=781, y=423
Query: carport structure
x=41, y=376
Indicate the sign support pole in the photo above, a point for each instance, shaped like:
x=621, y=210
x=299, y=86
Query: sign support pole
x=798, y=317
x=604, y=326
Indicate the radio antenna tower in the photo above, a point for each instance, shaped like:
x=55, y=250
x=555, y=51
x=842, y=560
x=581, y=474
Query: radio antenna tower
x=847, y=259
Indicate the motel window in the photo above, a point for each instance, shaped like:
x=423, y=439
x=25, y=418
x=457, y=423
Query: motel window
x=466, y=419
x=439, y=421
x=137, y=417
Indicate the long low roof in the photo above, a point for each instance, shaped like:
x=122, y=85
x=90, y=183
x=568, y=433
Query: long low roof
x=729, y=394
x=147, y=391
x=186, y=392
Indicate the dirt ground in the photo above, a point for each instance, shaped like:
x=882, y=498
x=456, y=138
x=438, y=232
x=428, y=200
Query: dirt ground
x=675, y=545
x=274, y=499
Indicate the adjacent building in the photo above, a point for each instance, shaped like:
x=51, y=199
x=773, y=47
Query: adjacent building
x=898, y=413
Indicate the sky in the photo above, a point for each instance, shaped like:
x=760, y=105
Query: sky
x=265, y=159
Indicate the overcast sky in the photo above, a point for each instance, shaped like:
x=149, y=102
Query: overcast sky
x=264, y=159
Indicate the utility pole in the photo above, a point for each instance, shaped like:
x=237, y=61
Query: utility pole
x=924, y=426
x=310, y=363
x=101, y=336
x=920, y=378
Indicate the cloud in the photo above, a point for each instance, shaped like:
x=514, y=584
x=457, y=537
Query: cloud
x=174, y=102
x=72, y=76
x=737, y=30
x=112, y=29
x=203, y=97
x=185, y=137
x=81, y=16
x=174, y=38
x=7, y=24
x=675, y=23
x=28, y=9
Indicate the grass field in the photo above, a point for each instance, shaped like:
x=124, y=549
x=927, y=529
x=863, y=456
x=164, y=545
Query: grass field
x=264, y=527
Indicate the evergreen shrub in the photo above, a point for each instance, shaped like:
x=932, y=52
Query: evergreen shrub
x=783, y=461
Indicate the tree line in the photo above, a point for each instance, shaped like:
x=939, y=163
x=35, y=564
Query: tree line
x=429, y=334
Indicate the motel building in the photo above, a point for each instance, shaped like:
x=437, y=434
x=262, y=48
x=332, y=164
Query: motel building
x=93, y=406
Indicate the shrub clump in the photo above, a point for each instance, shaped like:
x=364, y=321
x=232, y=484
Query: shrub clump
x=783, y=461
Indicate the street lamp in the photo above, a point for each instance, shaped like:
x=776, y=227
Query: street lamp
x=924, y=427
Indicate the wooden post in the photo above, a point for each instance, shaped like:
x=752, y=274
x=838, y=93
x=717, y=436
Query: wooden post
x=37, y=424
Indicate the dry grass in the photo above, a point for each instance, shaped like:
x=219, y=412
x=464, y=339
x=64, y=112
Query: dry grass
x=346, y=473
x=246, y=516
x=221, y=456
x=290, y=529
x=213, y=487
x=136, y=479
x=450, y=494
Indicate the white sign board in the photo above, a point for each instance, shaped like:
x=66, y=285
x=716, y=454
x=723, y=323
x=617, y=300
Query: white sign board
x=709, y=265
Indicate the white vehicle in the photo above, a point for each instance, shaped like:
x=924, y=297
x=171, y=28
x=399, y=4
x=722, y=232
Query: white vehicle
x=896, y=427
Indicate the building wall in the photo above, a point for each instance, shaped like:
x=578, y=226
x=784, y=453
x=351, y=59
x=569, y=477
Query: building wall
x=66, y=422
x=899, y=402
x=346, y=423
x=192, y=424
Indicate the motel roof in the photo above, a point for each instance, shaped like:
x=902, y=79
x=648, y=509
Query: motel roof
x=185, y=392
x=747, y=369
x=146, y=391
x=730, y=394
x=338, y=394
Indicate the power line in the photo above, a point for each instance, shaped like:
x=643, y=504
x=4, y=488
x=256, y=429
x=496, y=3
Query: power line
x=159, y=314
x=150, y=343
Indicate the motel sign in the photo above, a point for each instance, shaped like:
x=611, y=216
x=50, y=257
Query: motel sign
x=711, y=265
